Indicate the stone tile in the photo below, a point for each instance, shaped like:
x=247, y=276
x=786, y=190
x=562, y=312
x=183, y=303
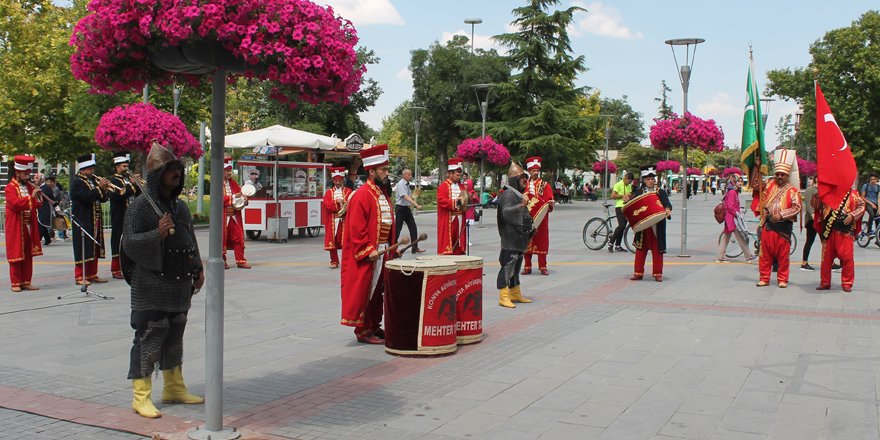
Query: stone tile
x=706, y=405
x=691, y=426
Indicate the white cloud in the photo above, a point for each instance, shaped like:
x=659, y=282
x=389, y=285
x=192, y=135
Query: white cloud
x=404, y=74
x=720, y=106
x=484, y=42
x=605, y=21
x=364, y=12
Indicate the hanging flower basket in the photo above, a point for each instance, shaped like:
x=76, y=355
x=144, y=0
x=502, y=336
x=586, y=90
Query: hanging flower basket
x=305, y=49
x=688, y=130
x=669, y=165
x=807, y=167
x=599, y=167
x=730, y=171
x=473, y=149
x=134, y=127
x=694, y=172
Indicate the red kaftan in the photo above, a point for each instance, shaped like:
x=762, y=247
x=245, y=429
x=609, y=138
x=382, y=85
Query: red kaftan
x=451, y=225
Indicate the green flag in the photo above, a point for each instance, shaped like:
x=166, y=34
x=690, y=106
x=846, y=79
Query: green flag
x=753, y=151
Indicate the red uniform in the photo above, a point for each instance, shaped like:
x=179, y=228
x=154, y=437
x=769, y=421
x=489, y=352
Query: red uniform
x=451, y=226
x=368, y=224
x=649, y=243
x=540, y=242
x=233, y=227
x=22, y=233
x=838, y=239
x=334, y=199
x=776, y=236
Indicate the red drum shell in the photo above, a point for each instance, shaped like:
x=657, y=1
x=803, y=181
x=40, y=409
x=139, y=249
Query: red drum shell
x=538, y=210
x=469, y=296
x=420, y=307
x=644, y=211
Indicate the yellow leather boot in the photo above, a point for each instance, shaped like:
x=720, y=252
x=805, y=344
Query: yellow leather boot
x=517, y=296
x=174, y=390
x=143, y=398
x=504, y=298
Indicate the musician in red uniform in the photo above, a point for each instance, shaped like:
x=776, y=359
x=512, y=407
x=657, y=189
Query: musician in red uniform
x=452, y=203
x=654, y=238
x=233, y=227
x=540, y=243
x=22, y=233
x=779, y=205
x=368, y=232
x=838, y=231
x=335, y=199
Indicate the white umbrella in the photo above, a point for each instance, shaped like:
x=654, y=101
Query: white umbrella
x=280, y=136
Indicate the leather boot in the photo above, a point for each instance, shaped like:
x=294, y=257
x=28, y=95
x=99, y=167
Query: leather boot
x=517, y=296
x=504, y=298
x=143, y=398
x=174, y=390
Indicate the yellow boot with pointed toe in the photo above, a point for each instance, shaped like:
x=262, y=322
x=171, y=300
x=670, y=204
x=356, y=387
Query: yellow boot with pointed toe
x=504, y=298
x=175, y=391
x=143, y=398
x=517, y=296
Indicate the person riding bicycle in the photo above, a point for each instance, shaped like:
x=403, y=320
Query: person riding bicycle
x=869, y=194
x=622, y=193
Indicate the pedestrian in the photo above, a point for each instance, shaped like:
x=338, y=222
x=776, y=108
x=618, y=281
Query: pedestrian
x=515, y=228
x=451, y=204
x=46, y=211
x=731, y=225
x=403, y=206
x=335, y=206
x=166, y=272
x=87, y=194
x=233, y=227
x=119, y=201
x=838, y=230
x=22, y=235
x=870, y=191
x=621, y=193
x=541, y=193
x=810, y=194
x=368, y=232
x=780, y=203
x=654, y=238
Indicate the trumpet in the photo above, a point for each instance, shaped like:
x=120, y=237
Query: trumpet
x=138, y=180
x=109, y=184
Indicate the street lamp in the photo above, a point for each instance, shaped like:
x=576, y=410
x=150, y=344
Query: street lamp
x=484, y=108
x=607, y=137
x=684, y=74
x=417, y=122
x=765, y=111
x=473, y=22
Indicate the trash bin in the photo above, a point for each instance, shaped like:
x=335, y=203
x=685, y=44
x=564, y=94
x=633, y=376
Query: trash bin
x=276, y=229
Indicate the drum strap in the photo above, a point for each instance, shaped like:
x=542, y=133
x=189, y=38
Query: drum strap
x=377, y=268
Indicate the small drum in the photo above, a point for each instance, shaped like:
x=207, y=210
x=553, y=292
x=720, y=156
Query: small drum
x=644, y=211
x=538, y=210
x=420, y=307
x=469, y=296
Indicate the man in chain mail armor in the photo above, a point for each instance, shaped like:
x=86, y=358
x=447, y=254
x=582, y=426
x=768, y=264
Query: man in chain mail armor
x=515, y=229
x=162, y=264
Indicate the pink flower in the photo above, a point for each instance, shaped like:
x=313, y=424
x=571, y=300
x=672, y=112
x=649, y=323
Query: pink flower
x=134, y=127
x=475, y=148
x=688, y=130
x=599, y=167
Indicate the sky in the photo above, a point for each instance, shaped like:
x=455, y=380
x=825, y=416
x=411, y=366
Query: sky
x=623, y=44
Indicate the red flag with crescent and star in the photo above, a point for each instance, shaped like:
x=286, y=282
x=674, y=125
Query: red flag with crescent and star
x=837, y=167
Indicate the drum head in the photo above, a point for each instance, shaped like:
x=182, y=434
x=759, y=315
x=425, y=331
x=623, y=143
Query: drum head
x=408, y=266
x=248, y=189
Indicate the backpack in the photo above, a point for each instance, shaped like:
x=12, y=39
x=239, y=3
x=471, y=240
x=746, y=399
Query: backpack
x=720, y=212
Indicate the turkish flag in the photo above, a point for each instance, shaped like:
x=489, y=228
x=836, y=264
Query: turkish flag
x=837, y=168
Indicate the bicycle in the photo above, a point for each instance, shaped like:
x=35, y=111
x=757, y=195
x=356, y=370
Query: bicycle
x=734, y=250
x=597, y=231
x=864, y=238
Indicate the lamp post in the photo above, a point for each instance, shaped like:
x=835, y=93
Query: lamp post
x=417, y=123
x=765, y=110
x=175, y=94
x=684, y=74
x=473, y=22
x=484, y=108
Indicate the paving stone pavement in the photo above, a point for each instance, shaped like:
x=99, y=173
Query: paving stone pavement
x=703, y=355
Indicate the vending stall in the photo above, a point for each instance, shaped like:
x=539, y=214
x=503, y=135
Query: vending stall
x=287, y=194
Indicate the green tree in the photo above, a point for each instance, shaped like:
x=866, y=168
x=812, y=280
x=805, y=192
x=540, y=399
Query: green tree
x=665, y=110
x=443, y=76
x=845, y=63
x=633, y=155
x=627, y=127
x=540, y=112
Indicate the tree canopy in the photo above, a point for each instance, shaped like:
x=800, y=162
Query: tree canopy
x=845, y=64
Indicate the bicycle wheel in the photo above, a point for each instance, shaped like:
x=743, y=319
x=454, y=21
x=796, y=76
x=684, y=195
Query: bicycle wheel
x=596, y=233
x=793, y=246
x=733, y=248
x=626, y=242
x=863, y=239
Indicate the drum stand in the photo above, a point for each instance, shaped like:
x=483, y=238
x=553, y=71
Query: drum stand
x=85, y=284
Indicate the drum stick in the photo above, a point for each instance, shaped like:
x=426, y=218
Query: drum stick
x=422, y=236
x=403, y=241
